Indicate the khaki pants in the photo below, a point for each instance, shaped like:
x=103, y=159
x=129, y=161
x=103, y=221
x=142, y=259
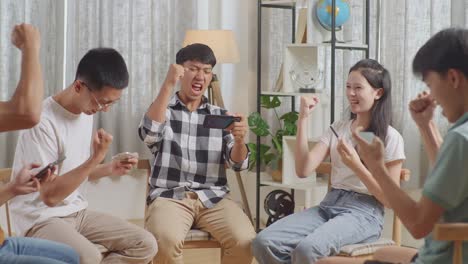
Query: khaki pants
x=170, y=220
x=99, y=238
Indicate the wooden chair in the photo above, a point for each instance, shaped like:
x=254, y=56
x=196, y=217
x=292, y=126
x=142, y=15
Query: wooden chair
x=5, y=176
x=456, y=232
x=366, y=250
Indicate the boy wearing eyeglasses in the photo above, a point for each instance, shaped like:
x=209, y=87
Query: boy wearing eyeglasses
x=59, y=212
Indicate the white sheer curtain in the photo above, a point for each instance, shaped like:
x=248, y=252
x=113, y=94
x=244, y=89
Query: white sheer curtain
x=45, y=15
x=148, y=34
x=405, y=26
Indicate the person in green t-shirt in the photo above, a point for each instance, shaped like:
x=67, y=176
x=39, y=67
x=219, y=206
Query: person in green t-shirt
x=442, y=62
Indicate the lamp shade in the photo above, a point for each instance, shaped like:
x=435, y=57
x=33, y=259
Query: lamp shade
x=222, y=42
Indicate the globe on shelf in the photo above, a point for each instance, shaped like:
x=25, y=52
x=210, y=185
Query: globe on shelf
x=305, y=77
x=323, y=12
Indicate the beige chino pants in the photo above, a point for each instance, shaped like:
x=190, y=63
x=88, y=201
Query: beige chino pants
x=169, y=220
x=99, y=238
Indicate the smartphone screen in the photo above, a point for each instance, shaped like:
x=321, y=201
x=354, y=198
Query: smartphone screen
x=367, y=136
x=219, y=121
x=43, y=171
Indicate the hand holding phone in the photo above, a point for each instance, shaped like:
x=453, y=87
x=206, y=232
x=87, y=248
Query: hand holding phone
x=219, y=121
x=43, y=172
x=124, y=157
x=123, y=162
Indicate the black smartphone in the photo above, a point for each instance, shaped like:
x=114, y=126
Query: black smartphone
x=43, y=171
x=334, y=132
x=219, y=121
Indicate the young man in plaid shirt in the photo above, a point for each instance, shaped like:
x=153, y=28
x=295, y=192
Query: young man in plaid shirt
x=188, y=185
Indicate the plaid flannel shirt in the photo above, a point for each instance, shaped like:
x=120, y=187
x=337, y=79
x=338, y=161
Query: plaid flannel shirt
x=188, y=156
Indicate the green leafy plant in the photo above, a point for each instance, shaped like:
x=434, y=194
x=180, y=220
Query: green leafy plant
x=271, y=155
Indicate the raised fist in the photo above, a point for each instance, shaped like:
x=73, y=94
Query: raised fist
x=26, y=37
x=308, y=104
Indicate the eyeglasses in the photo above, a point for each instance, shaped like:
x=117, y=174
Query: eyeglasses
x=99, y=105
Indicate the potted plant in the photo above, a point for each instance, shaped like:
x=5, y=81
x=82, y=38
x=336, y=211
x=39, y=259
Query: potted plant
x=271, y=156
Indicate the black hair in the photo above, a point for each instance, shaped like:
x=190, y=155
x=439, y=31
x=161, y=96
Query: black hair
x=103, y=67
x=381, y=113
x=196, y=52
x=448, y=49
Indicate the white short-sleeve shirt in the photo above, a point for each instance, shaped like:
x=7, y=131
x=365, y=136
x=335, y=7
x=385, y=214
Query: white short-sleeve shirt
x=58, y=130
x=343, y=177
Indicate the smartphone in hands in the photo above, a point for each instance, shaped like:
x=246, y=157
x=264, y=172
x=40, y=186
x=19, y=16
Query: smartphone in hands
x=367, y=136
x=43, y=172
x=125, y=156
x=219, y=121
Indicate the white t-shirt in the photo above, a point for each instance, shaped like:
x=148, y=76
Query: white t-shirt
x=59, y=130
x=343, y=177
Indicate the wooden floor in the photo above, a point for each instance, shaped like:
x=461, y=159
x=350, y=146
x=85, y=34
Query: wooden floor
x=205, y=256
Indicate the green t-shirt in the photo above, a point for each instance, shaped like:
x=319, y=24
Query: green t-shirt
x=447, y=186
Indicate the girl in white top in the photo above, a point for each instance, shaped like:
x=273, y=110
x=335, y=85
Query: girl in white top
x=352, y=212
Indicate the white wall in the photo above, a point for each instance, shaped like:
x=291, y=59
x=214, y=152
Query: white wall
x=123, y=196
x=237, y=80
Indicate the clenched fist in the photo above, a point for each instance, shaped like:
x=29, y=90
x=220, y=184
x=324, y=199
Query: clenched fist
x=101, y=143
x=174, y=74
x=26, y=38
x=308, y=104
x=422, y=108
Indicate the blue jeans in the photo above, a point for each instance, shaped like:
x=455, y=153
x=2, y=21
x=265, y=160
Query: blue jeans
x=25, y=250
x=342, y=218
